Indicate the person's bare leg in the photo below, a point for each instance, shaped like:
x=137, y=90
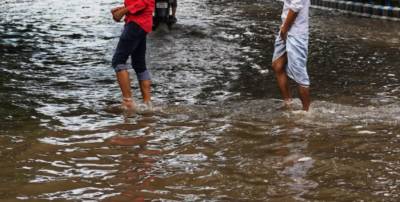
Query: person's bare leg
x=174, y=14
x=279, y=68
x=125, y=86
x=145, y=88
x=174, y=11
x=304, y=93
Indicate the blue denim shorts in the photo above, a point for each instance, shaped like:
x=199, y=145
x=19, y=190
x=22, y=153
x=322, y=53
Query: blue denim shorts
x=132, y=43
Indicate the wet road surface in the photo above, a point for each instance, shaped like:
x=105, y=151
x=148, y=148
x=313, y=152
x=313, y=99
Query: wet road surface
x=217, y=132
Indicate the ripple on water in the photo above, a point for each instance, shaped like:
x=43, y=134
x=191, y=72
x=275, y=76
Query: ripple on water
x=218, y=132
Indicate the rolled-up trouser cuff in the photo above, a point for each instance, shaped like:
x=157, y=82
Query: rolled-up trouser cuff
x=120, y=67
x=143, y=75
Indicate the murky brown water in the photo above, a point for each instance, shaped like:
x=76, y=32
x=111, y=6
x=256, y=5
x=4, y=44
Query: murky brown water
x=217, y=133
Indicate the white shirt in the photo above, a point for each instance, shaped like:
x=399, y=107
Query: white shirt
x=301, y=7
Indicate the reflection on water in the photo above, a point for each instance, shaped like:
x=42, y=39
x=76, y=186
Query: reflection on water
x=217, y=132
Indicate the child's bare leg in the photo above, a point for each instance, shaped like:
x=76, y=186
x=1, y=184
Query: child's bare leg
x=145, y=88
x=125, y=85
x=279, y=68
x=174, y=7
x=304, y=92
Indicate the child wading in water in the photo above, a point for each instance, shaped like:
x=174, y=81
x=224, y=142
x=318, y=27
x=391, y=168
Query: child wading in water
x=138, y=22
x=291, y=50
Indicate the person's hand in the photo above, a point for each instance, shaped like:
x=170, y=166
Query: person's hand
x=116, y=8
x=284, y=32
x=117, y=14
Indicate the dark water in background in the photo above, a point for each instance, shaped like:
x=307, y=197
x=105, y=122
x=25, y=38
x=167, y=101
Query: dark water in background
x=217, y=132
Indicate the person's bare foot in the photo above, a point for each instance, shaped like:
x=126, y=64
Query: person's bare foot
x=287, y=104
x=148, y=106
x=128, y=104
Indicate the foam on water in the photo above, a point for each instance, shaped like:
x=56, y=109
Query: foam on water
x=322, y=113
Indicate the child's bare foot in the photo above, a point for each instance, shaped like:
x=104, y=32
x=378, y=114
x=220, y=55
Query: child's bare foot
x=128, y=104
x=149, y=106
x=287, y=104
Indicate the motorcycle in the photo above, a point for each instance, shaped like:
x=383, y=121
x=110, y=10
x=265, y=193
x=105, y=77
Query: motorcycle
x=162, y=14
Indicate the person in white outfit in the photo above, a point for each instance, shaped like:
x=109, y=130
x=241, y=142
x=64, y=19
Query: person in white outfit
x=291, y=51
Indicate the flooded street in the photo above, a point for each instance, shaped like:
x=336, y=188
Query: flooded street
x=217, y=132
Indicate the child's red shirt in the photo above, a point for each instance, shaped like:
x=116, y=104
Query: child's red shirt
x=140, y=12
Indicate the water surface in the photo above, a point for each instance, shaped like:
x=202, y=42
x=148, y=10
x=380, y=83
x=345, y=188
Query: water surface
x=217, y=132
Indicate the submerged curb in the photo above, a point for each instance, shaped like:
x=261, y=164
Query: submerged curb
x=367, y=10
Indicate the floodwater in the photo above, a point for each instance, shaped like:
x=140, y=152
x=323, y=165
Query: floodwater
x=217, y=132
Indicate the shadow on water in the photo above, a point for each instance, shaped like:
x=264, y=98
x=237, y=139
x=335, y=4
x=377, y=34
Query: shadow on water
x=218, y=131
